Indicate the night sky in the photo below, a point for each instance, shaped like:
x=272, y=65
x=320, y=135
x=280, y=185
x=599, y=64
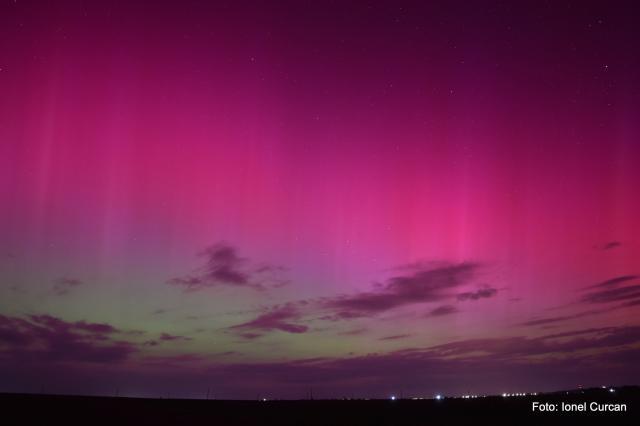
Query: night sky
x=358, y=198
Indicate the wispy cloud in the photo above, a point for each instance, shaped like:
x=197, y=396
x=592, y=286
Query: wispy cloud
x=614, y=281
x=594, y=338
x=610, y=245
x=483, y=293
x=562, y=318
x=605, y=355
x=63, y=286
x=280, y=318
x=420, y=283
x=443, y=310
x=224, y=267
x=395, y=337
x=601, y=354
x=424, y=283
x=616, y=289
x=47, y=338
x=166, y=337
x=613, y=295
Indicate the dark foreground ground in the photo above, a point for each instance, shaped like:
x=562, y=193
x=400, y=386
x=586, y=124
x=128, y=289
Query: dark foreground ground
x=20, y=409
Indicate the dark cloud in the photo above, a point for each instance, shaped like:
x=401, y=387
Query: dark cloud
x=280, y=318
x=562, y=318
x=631, y=303
x=166, y=337
x=341, y=315
x=616, y=289
x=520, y=346
x=63, y=286
x=609, y=291
x=46, y=338
x=613, y=282
x=610, y=245
x=250, y=336
x=588, y=356
x=395, y=337
x=483, y=293
x=443, y=310
x=422, y=284
x=224, y=267
x=613, y=295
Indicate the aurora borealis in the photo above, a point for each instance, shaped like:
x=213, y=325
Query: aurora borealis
x=362, y=198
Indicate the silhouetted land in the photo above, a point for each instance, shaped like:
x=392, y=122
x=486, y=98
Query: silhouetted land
x=22, y=409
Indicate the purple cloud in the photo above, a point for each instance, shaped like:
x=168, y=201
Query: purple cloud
x=613, y=282
x=598, y=355
x=166, y=337
x=443, y=310
x=562, y=318
x=278, y=318
x=224, y=267
x=63, y=286
x=605, y=292
x=483, y=293
x=423, y=284
x=611, y=245
x=613, y=295
x=517, y=346
x=47, y=338
x=395, y=337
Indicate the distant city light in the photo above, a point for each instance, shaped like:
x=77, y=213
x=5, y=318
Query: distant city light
x=438, y=397
x=393, y=397
x=612, y=390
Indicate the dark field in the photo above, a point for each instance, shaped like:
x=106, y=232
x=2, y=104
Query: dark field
x=21, y=409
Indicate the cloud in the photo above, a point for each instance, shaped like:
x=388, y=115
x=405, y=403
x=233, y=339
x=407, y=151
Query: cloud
x=613, y=281
x=518, y=346
x=395, y=337
x=278, y=318
x=46, y=338
x=224, y=267
x=589, y=356
x=634, y=302
x=63, y=286
x=443, y=310
x=552, y=320
x=605, y=292
x=484, y=292
x=610, y=245
x=613, y=295
x=166, y=337
x=423, y=283
x=614, y=290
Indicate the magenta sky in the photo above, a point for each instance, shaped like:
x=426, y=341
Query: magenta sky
x=364, y=199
